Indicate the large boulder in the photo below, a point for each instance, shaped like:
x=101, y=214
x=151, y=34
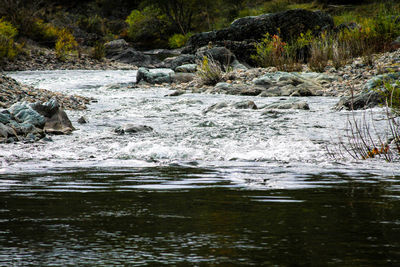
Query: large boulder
x=57, y=121
x=174, y=62
x=240, y=36
x=119, y=50
x=145, y=75
x=219, y=54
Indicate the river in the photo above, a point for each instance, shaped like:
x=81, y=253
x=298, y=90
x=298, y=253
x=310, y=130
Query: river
x=225, y=188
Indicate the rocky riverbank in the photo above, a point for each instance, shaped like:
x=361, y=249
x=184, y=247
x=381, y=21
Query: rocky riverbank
x=12, y=92
x=40, y=58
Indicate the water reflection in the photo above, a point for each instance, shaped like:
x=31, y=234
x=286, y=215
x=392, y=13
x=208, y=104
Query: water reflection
x=51, y=221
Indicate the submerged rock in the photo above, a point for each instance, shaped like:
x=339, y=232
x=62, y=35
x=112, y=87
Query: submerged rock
x=132, y=129
x=301, y=105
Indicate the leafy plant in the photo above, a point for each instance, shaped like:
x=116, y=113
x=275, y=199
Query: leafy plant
x=178, y=40
x=65, y=44
x=320, y=53
x=98, y=52
x=209, y=71
x=8, y=48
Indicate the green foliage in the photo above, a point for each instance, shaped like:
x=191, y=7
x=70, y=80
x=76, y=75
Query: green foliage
x=273, y=52
x=320, y=52
x=65, y=44
x=93, y=24
x=276, y=6
x=147, y=26
x=178, y=40
x=209, y=71
x=98, y=52
x=8, y=48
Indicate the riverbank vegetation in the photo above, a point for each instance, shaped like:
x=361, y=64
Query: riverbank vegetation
x=73, y=26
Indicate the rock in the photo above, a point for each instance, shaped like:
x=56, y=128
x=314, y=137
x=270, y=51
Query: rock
x=187, y=68
x=131, y=56
x=362, y=101
x=144, y=74
x=174, y=62
x=240, y=36
x=219, y=54
x=23, y=113
x=46, y=109
x=82, y=120
x=58, y=123
x=301, y=105
x=236, y=65
x=5, y=116
x=182, y=77
x=293, y=84
x=6, y=131
x=132, y=129
x=116, y=44
x=176, y=93
x=162, y=54
x=245, y=105
x=223, y=86
x=377, y=81
x=216, y=106
x=119, y=50
x=252, y=91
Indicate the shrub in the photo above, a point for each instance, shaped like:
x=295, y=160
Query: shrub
x=320, y=52
x=147, y=27
x=178, y=40
x=65, y=44
x=272, y=51
x=209, y=71
x=8, y=49
x=98, y=52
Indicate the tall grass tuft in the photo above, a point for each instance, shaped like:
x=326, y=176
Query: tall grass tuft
x=209, y=71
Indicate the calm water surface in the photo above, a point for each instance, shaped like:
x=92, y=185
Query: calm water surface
x=226, y=188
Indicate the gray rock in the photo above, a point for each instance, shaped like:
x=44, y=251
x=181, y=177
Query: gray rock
x=223, y=86
x=362, y=101
x=377, y=81
x=245, y=105
x=251, y=91
x=23, y=113
x=132, y=129
x=182, y=77
x=176, y=93
x=116, y=44
x=219, y=54
x=174, y=62
x=144, y=74
x=216, y=106
x=301, y=105
x=187, y=68
x=5, y=117
x=58, y=123
x=82, y=120
x=7, y=131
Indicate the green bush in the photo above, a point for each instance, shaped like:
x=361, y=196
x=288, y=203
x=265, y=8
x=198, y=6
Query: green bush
x=273, y=52
x=148, y=27
x=65, y=44
x=209, y=71
x=178, y=40
x=8, y=48
x=98, y=52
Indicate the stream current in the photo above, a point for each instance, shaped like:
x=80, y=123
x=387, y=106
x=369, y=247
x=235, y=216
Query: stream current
x=226, y=187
